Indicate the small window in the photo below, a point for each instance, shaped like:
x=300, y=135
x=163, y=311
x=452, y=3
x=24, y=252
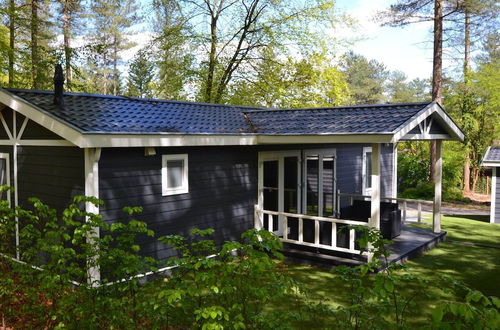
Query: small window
x=367, y=170
x=174, y=174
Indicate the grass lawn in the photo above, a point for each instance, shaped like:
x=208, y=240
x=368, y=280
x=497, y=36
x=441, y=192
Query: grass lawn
x=477, y=266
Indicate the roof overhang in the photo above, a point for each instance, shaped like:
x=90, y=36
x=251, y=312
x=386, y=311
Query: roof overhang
x=94, y=140
x=489, y=162
x=436, y=112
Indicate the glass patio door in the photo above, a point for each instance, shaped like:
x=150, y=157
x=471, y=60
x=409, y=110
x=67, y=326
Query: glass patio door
x=319, y=197
x=279, y=186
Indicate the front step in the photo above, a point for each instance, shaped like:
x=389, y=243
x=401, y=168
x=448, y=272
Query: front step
x=318, y=259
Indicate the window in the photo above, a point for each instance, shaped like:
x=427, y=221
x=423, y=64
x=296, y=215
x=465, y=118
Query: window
x=367, y=170
x=174, y=174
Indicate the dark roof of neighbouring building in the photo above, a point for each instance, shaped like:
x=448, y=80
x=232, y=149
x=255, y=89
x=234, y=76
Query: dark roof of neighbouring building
x=492, y=155
x=90, y=113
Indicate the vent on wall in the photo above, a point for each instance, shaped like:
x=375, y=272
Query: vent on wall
x=149, y=151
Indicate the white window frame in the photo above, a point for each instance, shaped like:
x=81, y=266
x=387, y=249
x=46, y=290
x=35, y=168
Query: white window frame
x=184, y=189
x=364, y=174
x=321, y=153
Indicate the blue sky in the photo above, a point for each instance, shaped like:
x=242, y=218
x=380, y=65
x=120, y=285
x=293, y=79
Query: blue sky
x=407, y=49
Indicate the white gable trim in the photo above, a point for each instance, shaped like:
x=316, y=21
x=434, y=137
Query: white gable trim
x=39, y=117
x=432, y=108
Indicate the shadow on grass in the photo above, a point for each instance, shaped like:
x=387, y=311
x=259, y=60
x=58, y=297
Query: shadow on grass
x=475, y=266
x=480, y=218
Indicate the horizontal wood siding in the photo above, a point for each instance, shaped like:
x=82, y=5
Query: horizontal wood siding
x=222, y=192
x=222, y=188
x=53, y=174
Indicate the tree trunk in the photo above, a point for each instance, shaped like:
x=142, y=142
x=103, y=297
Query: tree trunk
x=12, y=40
x=467, y=172
x=34, y=43
x=211, y=60
x=437, y=70
x=67, y=42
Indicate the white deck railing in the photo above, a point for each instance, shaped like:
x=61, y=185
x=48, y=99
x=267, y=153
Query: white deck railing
x=260, y=215
x=402, y=201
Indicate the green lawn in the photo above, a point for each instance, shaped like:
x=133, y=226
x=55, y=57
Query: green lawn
x=477, y=266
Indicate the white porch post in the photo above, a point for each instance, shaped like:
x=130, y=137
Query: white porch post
x=438, y=173
x=375, y=193
x=92, y=190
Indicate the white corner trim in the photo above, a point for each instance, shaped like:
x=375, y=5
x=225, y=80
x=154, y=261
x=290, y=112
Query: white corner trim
x=374, y=220
x=493, y=194
x=395, y=171
x=184, y=188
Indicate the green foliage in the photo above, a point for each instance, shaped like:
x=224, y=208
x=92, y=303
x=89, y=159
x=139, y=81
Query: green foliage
x=141, y=74
x=292, y=83
x=365, y=78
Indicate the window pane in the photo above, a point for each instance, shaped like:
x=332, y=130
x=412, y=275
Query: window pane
x=328, y=185
x=312, y=185
x=291, y=185
x=368, y=174
x=174, y=173
x=271, y=185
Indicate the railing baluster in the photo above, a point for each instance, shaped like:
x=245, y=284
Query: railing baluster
x=351, y=239
x=301, y=230
x=419, y=216
x=351, y=200
x=404, y=211
x=334, y=234
x=285, y=227
x=270, y=222
x=316, y=231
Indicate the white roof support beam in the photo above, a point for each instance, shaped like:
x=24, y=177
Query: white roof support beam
x=91, y=158
x=438, y=178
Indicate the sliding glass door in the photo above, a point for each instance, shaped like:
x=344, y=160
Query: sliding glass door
x=279, y=190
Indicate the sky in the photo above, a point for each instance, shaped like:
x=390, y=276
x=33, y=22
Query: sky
x=407, y=49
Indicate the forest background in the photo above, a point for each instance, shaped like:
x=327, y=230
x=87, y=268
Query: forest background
x=271, y=53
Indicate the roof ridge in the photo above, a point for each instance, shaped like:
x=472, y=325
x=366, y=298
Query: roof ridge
x=138, y=99
x=343, y=107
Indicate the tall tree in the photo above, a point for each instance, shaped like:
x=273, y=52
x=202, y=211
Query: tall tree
x=112, y=20
x=172, y=51
x=406, y=12
x=69, y=12
x=399, y=90
x=366, y=78
x=232, y=33
x=140, y=75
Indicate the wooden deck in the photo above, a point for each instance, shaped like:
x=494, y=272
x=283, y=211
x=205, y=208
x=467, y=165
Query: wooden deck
x=411, y=243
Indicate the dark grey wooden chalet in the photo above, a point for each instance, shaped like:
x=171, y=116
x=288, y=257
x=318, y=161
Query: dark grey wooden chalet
x=224, y=167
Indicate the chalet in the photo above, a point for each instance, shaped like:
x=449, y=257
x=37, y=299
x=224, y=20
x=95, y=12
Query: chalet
x=230, y=168
x=492, y=159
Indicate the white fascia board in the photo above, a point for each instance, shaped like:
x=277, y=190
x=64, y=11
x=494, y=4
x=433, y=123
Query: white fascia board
x=325, y=138
x=38, y=116
x=162, y=140
x=490, y=164
x=433, y=107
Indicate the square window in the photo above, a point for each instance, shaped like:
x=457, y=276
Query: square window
x=174, y=174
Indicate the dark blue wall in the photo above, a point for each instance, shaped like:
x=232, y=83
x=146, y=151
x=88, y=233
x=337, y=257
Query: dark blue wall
x=222, y=187
x=53, y=174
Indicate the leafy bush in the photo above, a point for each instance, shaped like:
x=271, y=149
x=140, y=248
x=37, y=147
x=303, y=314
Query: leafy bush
x=53, y=286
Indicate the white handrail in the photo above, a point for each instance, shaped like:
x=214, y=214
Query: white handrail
x=404, y=201
x=283, y=218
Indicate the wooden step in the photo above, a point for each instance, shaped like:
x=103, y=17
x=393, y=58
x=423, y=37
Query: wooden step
x=318, y=259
